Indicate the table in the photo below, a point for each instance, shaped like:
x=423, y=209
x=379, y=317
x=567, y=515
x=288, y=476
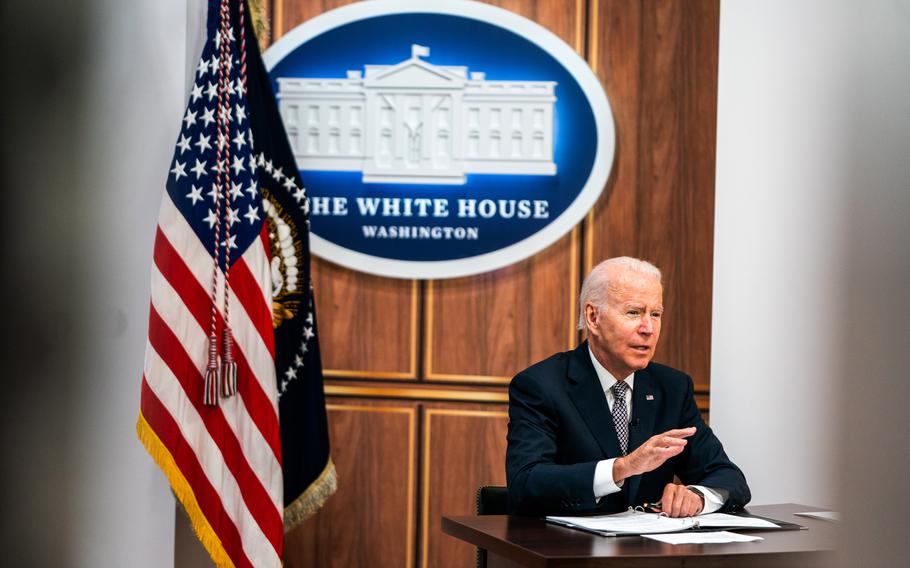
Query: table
x=526, y=541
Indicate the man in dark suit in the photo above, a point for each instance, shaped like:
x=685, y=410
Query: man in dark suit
x=601, y=428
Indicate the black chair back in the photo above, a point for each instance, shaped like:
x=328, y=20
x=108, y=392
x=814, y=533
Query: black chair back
x=490, y=500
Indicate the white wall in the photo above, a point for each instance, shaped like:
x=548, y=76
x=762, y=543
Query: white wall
x=145, y=66
x=779, y=236
x=812, y=260
x=137, y=91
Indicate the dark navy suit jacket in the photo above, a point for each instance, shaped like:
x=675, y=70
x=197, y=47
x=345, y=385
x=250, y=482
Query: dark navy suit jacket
x=560, y=426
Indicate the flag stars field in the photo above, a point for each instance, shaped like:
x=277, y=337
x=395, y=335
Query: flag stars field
x=199, y=168
x=179, y=170
x=183, y=143
x=203, y=142
x=213, y=193
x=233, y=216
x=239, y=140
x=211, y=218
x=208, y=116
x=238, y=165
x=195, y=194
x=252, y=214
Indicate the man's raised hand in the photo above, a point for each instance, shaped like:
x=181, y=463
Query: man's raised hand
x=652, y=454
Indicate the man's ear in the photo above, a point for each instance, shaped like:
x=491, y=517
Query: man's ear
x=591, y=318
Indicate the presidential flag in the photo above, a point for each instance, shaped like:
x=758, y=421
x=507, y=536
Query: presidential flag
x=232, y=406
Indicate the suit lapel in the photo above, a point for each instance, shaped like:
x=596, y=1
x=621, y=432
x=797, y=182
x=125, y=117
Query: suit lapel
x=585, y=392
x=645, y=400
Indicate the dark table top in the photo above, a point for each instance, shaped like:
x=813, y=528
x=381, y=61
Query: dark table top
x=531, y=541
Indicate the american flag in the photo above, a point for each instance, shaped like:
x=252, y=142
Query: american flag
x=221, y=272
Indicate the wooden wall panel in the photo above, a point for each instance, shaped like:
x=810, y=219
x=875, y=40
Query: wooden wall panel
x=368, y=325
x=463, y=449
x=371, y=519
x=288, y=14
x=485, y=328
x=658, y=63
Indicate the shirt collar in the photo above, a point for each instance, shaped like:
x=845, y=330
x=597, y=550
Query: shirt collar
x=606, y=379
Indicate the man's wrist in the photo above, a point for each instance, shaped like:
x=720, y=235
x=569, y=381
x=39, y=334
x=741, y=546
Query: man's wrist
x=700, y=496
x=622, y=469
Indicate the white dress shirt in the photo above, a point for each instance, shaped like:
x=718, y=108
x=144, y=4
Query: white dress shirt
x=603, y=472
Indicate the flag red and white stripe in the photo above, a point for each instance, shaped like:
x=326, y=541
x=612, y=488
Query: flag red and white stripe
x=225, y=459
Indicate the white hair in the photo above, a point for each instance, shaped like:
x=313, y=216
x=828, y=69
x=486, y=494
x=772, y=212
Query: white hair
x=596, y=286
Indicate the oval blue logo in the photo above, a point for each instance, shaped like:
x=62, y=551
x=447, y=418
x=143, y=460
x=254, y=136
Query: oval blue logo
x=440, y=141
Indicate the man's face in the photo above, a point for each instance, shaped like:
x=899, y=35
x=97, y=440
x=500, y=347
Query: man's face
x=623, y=334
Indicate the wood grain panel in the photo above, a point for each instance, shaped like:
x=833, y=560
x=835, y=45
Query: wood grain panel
x=658, y=63
x=288, y=14
x=419, y=391
x=463, y=448
x=614, y=54
x=370, y=521
x=485, y=328
x=368, y=325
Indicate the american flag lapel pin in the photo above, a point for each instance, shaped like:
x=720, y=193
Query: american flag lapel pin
x=649, y=397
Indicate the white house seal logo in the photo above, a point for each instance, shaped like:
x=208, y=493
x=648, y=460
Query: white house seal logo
x=439, y=140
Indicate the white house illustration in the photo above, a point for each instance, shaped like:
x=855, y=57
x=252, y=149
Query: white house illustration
x=419, y=123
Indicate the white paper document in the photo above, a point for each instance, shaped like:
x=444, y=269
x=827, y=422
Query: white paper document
x=703, y=537
x=629, y=522
x=733, y=521
x=637, y=522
